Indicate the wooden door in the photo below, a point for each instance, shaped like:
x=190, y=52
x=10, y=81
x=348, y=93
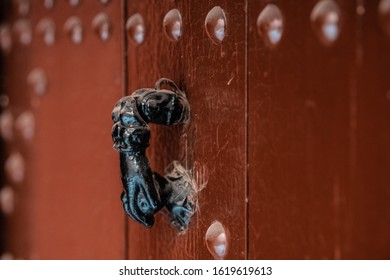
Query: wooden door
x=288, y=137
x=66, y=206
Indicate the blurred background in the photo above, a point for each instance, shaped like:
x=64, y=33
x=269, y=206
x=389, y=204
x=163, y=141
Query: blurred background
x=288, y=143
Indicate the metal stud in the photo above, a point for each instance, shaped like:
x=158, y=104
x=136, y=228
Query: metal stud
x=74, y=30
x=102, y=26
x=47, y=29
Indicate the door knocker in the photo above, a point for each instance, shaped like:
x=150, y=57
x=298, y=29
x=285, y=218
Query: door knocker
x=146, y=192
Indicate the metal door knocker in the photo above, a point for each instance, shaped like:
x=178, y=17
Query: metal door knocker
x=146, y=192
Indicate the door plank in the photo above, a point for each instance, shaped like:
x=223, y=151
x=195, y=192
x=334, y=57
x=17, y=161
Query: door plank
x=71, y=169
x=213, y=76
x=368, y=205
x=298, y=136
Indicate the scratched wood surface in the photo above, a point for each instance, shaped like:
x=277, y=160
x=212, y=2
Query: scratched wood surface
x=300, y=113
x=318, y=126
x=213, y=76
x=68, y=193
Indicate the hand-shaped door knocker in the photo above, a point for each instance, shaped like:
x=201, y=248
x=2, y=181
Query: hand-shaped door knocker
x=146, y=192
